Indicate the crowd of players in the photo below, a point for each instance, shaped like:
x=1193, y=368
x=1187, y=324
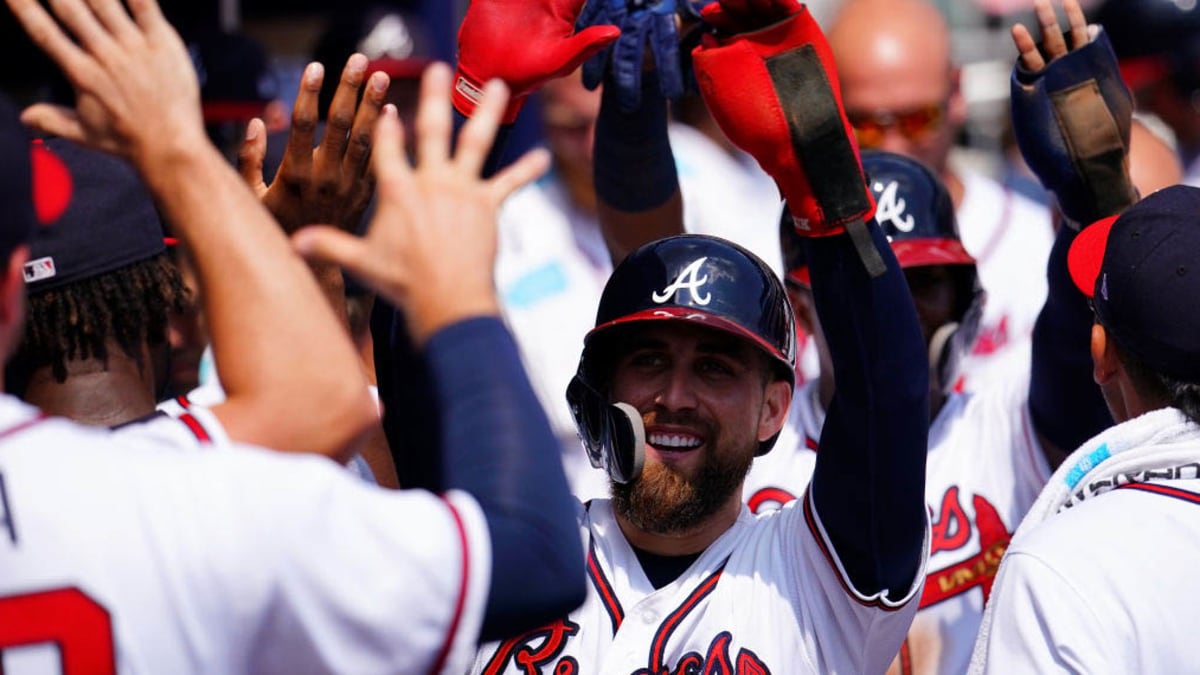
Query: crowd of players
x=644, y=417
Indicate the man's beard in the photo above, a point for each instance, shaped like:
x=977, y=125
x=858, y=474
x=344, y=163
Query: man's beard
x=663, y=501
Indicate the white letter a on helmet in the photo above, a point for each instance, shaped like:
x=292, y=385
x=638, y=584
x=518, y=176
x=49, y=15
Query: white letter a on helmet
x=688, y=279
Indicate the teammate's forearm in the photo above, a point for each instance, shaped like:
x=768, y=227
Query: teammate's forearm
x=411, y=418
x=869, y=481
x=499, y=447
x=1065, y=404
x=637, y=187
x=272, y=329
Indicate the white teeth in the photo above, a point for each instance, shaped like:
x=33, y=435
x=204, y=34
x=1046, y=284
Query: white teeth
x=674, y=441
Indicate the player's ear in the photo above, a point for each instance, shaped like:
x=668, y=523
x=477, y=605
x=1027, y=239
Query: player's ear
x=777, y=399
x=1104, y=356
x=12, y=286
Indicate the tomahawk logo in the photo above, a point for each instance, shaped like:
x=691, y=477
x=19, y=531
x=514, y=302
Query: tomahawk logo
x=689, y=279
x=890, y=208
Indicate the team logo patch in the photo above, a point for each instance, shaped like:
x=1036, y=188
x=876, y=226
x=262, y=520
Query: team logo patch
x=892, y=208
x=42, y=268
x=689, y=279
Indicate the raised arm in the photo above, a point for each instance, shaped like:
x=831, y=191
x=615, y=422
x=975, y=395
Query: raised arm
x=429, y=251
x=637, y=189
x=1071, y=114
x=137, y=96
x=868, y=484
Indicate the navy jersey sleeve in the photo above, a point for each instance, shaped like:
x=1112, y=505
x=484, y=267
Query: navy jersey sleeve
x=868, y=485
x=1065, y=403
x=474, y=424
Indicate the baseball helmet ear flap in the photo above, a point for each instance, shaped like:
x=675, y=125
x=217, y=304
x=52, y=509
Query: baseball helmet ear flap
x=612, y=433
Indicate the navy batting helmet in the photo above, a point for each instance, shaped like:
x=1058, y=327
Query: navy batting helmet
x=705, y=280
x=916, y=213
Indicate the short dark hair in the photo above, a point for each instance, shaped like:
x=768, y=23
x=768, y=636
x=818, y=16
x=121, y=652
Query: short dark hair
x=1162, y=389
x=129, y=305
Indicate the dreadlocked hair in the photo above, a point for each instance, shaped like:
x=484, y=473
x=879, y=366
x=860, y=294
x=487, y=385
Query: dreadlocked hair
x=129, y=305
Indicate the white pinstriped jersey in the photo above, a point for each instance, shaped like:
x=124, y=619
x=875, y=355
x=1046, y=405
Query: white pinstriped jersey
x=766, y=597
x=984, y=470
x=117, y=557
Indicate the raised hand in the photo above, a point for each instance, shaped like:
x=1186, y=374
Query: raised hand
x=328, y=184
x=431, y=245
x=135, y=86
x=1071, y=115
x=1034, y=57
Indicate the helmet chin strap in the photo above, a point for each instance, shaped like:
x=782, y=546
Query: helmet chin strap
x=941, y=372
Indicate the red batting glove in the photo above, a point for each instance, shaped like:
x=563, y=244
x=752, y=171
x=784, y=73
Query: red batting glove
x=526, y=43
x=769, y=81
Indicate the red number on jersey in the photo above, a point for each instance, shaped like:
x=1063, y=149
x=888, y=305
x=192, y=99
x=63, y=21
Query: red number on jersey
x=76, y=624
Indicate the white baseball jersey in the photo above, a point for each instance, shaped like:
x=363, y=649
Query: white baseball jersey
x=782, y=474
x=984, y=470
x=1010, y=237
x=1108, y=586
x=117, y=557
x=766, y=597
x=1100, y=576
x=186, y=421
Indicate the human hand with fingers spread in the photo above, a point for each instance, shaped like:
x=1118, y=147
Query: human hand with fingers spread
x=331, y=182
x=135, y=87
x=1072, y=114
x=431, y=245
x=272, y=333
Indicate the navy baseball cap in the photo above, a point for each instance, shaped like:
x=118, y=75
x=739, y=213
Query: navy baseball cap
x=110, y=223
x=236, y=80
x=1142, y=271
x=393, y=40
x=35, y=187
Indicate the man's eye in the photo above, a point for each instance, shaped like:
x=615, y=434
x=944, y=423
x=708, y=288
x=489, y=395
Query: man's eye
x=715, y=367
x=646, y=359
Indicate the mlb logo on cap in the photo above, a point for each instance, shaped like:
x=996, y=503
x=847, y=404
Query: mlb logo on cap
x=36, y=270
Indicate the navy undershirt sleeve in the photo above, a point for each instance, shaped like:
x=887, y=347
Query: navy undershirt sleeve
x=498, y=446
x=633, y=167
x=1065, y=403
x=411, y=420
x=868, y=487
